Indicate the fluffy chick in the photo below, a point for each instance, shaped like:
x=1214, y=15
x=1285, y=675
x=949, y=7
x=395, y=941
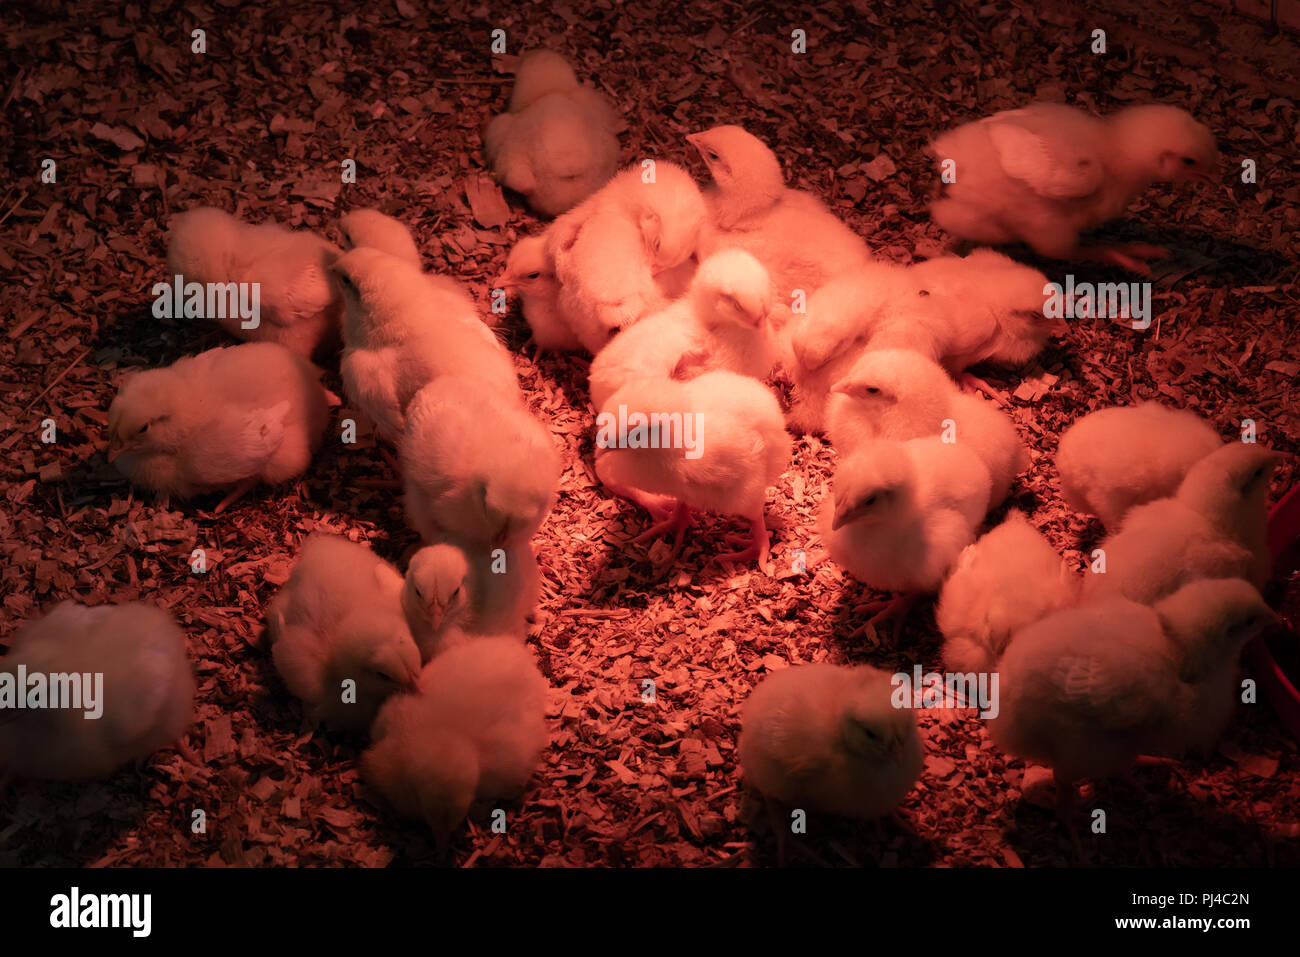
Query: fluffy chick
x=479, y=470
x=1215, y=526
x=791, y=232
x=1114, y=459
x=1045, y=173
x=828, y=738
x=530, y=273
x=403, y=328
x=227, y=418
x=451, y=593
x=609, y=250
x=339, y=618
x=1007, y=580
x=474, y=730
x=721, y=324
x=1088, y=689
x=737, y=446
x=901, y=394
x=900, y=513
x=146, y=699
x=556, y=145
x=298, y=305
x=374, y=230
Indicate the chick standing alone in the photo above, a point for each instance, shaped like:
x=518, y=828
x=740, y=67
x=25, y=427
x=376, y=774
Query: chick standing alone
x=828, y=738
x=740, y=447
x=227, y=418
x=556, y=145
x=339, y=619
x=474, y=730
x=146, y=699
x=298, y=305
x=1114, y=459
x=1045, y=173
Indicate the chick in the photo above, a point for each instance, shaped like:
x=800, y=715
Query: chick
x=449, y=592
x=298, y=306
x=338, y=636
x=900, y=394
x=1114, y=459
x=828, y=738
x=374, y=230
x=1045, y=173
x=714, y=443
x=557, y=144
x=1009, y=579
x=530, y=273
x=791, y=232
x=1088, y=689
x=479, y=469
x=474, y=730
x=721, y=324
x=227, y=418
x=145, y=699
x=401, y=329
x=900, y=514
x=1215, y=526
x=609, y=250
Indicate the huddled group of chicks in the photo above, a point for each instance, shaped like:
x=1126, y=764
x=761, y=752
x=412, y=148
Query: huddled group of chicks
x=695, y=303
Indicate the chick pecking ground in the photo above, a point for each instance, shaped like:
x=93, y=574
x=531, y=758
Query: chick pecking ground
x=648, y=666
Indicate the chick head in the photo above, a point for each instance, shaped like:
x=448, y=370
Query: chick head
x=670, y=213
x=740, y=162
x=1176, y=147
x=732, y=286
x=374, y=283
x=541, y=72
x=511, y=506
x=424, y=773
x=871, y=728
x=436, y=588
x=527, y=265
x=140, y=420
x=1211, y=620
x=1230, y=485
x=885, y=378
x=872, y=484
x=372, y=229
x=378, y=653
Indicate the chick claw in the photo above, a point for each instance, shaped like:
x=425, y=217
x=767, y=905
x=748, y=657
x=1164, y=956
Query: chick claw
x=1131, y=257
x=757, y=546
x=677, y=523
x=894, y=609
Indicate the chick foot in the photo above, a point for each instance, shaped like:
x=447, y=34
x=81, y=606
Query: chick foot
x=1131, y=257
x=757, y=545
x=894, y=609
x=677, y=523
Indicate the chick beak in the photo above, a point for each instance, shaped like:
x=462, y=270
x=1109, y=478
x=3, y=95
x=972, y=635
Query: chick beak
x=503, y=282
x=115, y=448
x=412, y=683
x=436, y=614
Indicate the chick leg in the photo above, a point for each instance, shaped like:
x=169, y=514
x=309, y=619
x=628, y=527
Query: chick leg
x=677, y=524
x=973, y=383
x=758, y=547
x=1066, y=807
x=234, y=495
x=660, y=507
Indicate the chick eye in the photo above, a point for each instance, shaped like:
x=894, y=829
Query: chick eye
x=533, y=275
x=711, y=154
x=456, y=592
x=143, y=429
x=384, y=676
x=1188, y=161
x=923, y=292
x=869, y=500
